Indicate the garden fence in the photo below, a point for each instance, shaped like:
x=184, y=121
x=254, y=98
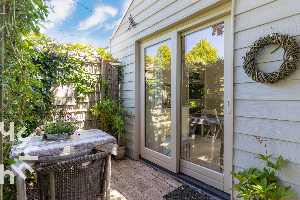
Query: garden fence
x=65, y=95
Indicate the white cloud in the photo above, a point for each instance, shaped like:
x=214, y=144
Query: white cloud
x=114, y=25
x=126, y=5
x=100, y=15
x=59, y=10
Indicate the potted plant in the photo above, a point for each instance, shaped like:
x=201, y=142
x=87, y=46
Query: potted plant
x=61, y=128
x=112, y=118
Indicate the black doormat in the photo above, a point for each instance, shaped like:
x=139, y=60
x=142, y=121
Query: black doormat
x=186, y=192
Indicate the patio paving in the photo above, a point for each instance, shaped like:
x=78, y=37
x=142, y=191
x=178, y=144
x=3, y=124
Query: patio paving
x=134, y=180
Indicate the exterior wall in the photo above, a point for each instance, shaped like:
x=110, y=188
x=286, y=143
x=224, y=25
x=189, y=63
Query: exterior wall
x=153, y=17
x=267, y=110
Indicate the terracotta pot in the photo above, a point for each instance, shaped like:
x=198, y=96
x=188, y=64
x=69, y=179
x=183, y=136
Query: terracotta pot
x=120, y=153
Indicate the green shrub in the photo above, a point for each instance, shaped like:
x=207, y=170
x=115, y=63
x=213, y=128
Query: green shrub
x=261, y=185
x=112, y=118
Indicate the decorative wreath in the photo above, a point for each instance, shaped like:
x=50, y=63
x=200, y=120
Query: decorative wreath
x=291, y=56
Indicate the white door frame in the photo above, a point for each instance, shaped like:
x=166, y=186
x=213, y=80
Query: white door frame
x=222, y=181
x=175, y=163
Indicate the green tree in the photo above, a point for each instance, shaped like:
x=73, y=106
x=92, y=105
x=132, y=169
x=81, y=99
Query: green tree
x=163, y=57
x=18, y=72
x=202, y=54
x=201, y=60
x=148, y=59
x=30, y=65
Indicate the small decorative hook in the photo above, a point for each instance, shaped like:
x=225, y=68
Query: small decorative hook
x=132, y=23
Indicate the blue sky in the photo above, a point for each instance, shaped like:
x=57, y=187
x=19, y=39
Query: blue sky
x=85, y=21
x=216, y=41
x=152, y=50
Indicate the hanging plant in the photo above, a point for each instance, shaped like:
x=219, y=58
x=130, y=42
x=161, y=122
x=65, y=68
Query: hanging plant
x=290, y=58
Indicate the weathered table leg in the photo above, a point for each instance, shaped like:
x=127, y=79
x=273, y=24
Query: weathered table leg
x=52, y=186
x=108, y=175
x=21, y=188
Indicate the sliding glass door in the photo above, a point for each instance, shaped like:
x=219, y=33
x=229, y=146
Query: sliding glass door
x=158, y=97
x=186, y=91
x=156, y=101
x=202, y=96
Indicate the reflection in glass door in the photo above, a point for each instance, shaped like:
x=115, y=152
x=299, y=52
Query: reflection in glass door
x=202, y=97
x=158, y=98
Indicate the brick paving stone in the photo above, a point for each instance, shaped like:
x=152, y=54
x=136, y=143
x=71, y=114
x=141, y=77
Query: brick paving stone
x=140, y=185
x=120, y=184
x=114, y=164
x=161, y=185
x=151, y=170
x=134, y=194
x=128, y=176
x=112, y=185
x=173, y=182
x=114, y=176
x=135, y=180
x=146, y=175
x=153, y=194
x=162, y=176
x=138, y=163
x=119, y=169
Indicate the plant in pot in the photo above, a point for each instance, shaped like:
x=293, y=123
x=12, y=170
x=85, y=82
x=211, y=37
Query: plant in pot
x=112, y=118
x=61, y=128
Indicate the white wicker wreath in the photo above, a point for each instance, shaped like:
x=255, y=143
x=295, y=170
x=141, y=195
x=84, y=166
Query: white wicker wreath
x=291, y=56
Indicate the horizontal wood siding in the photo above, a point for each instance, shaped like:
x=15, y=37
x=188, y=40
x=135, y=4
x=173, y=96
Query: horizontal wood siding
x=152, y=16
x=270, y=111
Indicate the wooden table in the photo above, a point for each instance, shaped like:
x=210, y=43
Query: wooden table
x=205, y=121
x=56, y=151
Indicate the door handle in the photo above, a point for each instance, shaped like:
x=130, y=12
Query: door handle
x=228, y=106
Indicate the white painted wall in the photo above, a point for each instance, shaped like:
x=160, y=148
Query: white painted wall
x=267, y=110
x=153, y=17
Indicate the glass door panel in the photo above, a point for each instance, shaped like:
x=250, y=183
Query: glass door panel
x=158, y=98
x=202, y=97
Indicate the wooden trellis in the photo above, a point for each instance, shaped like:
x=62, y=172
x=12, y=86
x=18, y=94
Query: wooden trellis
x=65, y=95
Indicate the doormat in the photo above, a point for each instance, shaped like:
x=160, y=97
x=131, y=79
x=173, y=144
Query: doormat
x=186, y=192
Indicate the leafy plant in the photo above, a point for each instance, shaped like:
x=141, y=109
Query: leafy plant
x=261, y=185
x=62, y=125
x=112, y=118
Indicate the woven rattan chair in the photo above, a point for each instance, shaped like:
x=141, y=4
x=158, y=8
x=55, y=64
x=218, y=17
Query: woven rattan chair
x=85, y=178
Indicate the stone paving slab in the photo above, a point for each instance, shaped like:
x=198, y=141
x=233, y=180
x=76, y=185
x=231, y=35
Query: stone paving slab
x=134, y=180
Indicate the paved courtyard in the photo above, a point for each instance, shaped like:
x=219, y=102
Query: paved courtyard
x=134, y=180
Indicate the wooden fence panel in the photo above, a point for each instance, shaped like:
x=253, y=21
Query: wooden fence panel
x=65, y=95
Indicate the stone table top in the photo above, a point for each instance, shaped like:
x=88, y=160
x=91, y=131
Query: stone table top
x=78, y=144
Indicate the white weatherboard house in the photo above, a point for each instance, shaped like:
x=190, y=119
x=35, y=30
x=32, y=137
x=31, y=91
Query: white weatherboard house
x=196, y=110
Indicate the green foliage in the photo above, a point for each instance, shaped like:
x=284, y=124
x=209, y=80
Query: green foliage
x=149, y=59
x=158, y=70
x=23, y=102
x=67, y=60
x=29, y=55
x=202, y=54
x=261, y=185
x=112, y=117
x=120, y=72
x=163, y=57
x=62, y=125
x=84, y=52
